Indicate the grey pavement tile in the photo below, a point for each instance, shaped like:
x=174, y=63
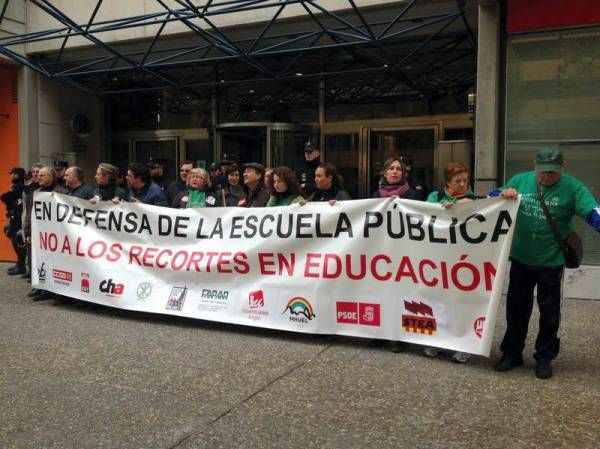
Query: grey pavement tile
x=83, y=376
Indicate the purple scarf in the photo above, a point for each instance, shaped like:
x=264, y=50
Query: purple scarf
x=386, y=191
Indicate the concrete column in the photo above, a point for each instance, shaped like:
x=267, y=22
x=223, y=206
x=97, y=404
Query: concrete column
x=29, y=149
x=488, y=97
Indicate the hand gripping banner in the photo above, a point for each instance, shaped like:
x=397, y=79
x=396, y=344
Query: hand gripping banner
x=381, y=268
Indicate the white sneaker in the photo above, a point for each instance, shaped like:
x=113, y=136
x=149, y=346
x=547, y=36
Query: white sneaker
x=460, y=357
x=431, y=352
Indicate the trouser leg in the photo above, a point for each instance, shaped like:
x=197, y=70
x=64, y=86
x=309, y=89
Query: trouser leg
x=549, y=298
x=519, y=304
x=19, y=251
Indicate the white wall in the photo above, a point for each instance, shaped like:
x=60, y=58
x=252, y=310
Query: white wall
x=14, y=23
x=46, y=108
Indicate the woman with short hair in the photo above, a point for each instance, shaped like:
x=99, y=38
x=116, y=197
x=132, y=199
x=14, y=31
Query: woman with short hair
x=198, y=192
x=456, y=191
x=233, y=192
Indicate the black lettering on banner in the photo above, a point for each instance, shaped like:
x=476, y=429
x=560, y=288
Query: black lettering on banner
x=62, y=211
x=499, y=229
x=465, y=235
x=165, y=225
x=416, y=225
x=372, y=220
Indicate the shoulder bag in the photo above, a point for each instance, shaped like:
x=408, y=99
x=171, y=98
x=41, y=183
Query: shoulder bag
x=572, y=246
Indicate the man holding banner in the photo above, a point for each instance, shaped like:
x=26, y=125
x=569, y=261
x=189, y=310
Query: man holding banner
x=537, y=259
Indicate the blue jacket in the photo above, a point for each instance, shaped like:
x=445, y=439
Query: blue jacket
x=149, y=194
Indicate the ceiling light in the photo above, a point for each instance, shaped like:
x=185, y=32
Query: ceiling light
x=298, y=73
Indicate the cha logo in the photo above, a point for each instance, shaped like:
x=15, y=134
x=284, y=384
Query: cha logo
x=108, y=287
x=143, y=291
x=41, y=271
x=300, y=310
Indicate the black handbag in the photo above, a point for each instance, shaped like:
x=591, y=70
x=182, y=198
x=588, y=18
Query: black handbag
x=572, y=247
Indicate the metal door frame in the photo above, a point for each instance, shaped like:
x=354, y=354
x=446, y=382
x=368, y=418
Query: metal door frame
x=269, y=126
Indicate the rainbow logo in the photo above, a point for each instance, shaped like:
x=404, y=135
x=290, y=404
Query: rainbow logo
x=300, y=306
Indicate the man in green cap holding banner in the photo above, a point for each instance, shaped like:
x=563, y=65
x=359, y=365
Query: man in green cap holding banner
x=549, y=201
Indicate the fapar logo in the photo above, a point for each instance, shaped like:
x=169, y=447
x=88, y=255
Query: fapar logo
x=177, y=298
x=478, y=326
x=300, y=310
x=143, y=291
x=110, y=288
x=367, y=314
x=62, y=277
x=213, y=300
x=419, y=324
x=215, y=294
x=41, y=271
x=85, y=282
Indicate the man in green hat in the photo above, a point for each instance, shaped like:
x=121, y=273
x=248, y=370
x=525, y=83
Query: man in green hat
x=536, y=257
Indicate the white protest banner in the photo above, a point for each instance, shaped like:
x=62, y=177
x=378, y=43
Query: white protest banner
x=380, y=268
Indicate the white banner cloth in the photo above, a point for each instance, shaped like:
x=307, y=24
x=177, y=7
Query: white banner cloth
x=381, y=268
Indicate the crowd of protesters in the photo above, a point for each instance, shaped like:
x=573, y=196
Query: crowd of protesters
x=253, y=185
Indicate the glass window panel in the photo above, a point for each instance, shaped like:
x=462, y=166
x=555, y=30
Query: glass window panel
x=582, y=161
x=553, y=92
x=145, y=150
x=417, y=144
x=342, y=151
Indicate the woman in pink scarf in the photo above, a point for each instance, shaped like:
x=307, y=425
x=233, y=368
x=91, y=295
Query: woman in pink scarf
x=394, y=183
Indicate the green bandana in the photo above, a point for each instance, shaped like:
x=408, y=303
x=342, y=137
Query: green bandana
x=196, y=198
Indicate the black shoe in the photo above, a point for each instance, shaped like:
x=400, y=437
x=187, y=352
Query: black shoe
x=507, y=363
x=398, y=346
x=377, y=343
x=13, y=271
x=43, y=296
x=34, y=292
x=543, y=369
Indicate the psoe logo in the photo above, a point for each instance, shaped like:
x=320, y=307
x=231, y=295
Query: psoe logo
x=176, y=298
x=85, y=282
x=478, y=326
x=41, y=271
x=62, y=277
x=300, y=310
x=110, y=288
x=416, y=323
x=367, y=314
x=143, y=291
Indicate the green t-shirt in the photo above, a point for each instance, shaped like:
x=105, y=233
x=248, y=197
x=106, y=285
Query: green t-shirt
x=434, y=197
x=533, y=241
x=284, y=201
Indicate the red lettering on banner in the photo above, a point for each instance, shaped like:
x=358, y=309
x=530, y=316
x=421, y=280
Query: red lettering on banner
x=265, y=261
x=310, y=264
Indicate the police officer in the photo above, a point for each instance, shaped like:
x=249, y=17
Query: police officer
x=306, y=169
x=13, y=199
x=60, y=167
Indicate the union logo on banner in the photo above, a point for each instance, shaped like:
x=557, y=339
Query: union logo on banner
x=416, y=323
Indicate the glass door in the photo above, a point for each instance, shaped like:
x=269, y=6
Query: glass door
x=166, y=149
x=417, y=145
x=342, y=151
x=287, y=144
